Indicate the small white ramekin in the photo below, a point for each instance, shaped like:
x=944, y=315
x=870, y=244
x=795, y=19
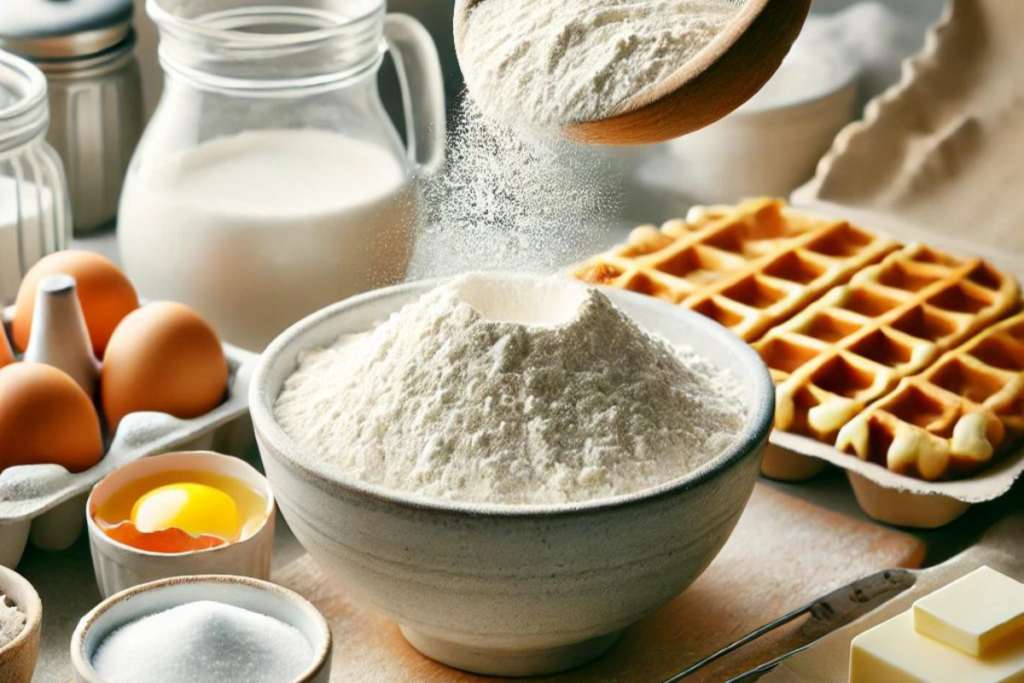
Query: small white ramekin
x=771, y=144
x=119, y=566
x=18, y=657
x=257, y=596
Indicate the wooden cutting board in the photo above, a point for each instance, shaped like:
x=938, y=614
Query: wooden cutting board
x=784, y=553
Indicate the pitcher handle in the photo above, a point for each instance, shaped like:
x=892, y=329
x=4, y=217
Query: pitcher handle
x=422, y=84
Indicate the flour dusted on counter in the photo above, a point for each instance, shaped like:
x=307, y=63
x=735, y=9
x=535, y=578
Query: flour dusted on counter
x=560, y=62
x=509, y=389
x=12, y=621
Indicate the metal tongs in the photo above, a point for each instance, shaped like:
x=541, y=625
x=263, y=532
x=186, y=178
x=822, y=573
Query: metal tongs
x=826, y=614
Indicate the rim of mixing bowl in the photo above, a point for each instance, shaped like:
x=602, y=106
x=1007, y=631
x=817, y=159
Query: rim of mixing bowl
x=754, y=432
x=28, y=114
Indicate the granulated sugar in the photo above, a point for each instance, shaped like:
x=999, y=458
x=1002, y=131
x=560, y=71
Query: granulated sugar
x=12, y=621
x=550, y=63
x=510, y=389
x=203, y=642
x=508, y=202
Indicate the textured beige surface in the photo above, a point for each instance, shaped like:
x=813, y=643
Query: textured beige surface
x=941, y=150
x=784, y=553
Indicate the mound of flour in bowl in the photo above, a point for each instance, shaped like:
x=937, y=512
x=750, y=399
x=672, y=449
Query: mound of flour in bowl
x=510, y=389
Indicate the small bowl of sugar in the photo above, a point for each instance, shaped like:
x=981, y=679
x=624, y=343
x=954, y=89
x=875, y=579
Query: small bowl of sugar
x=21, y=616
x=203, y=629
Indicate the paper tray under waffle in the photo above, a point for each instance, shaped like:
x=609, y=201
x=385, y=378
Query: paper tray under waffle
x=885, y=495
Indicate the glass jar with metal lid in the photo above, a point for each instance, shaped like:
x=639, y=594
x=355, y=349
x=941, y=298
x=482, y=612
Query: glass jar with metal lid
x=35, y=215
x=85, y=49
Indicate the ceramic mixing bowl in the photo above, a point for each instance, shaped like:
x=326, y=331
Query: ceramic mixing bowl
x=500, y=589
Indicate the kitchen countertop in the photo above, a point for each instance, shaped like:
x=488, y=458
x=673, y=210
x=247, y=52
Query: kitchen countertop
x=67, y=585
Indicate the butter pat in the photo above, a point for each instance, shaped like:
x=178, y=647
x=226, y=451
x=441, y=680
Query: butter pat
x=894, y=652
x=975, y=614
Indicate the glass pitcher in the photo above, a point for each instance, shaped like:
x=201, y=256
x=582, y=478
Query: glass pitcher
x=270, y=181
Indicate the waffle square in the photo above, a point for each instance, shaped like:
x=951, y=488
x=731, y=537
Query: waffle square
x=951, y=419
x=749, y=268
x=891, y=321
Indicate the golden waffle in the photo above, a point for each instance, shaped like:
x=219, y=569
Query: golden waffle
x=893, y=319
x=748, y=268
x=951, y=419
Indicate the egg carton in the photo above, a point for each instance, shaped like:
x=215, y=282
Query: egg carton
x=45, y=504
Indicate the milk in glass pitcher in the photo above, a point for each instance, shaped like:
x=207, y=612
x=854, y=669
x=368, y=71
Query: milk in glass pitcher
x=270, y=181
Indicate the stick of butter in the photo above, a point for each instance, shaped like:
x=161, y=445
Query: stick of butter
x=963, y=633
x=975, y=613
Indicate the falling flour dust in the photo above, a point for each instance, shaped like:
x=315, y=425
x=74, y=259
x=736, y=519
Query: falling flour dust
x=508, y=201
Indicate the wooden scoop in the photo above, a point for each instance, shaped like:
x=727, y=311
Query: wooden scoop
x=721, y=77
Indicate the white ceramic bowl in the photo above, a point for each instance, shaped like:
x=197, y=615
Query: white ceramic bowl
x=119, y=566
x=510, y=590
x=256, y=596
x=18, y=657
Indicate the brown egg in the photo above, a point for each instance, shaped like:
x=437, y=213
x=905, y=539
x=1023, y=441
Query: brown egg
x=6, y=354
x=45, y=417
x=105, y=293
x=163, y=357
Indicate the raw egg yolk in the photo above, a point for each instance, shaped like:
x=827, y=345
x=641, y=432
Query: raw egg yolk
x=196, y=509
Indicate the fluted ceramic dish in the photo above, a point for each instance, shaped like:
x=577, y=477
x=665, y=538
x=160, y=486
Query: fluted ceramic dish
x=508, y=590
x=257, y=596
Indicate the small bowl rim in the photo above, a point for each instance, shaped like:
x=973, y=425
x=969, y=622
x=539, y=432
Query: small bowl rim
x=84, y=667
x=754, y=433
x=97, y=531
x=33, y=611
